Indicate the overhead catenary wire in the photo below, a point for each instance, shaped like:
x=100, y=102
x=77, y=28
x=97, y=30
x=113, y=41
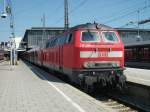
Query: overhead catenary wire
x=81, y=4
x=128, y=24
x=136, y=22
x=127, y=14
x=72, y=11
x=78, y=6
x=144, y=21
x=120, y=12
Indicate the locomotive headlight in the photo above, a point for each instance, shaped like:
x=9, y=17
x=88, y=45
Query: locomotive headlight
x=85, y=65
x=88, y=64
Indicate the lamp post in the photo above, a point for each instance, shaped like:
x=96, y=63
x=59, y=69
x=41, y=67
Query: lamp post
x=138, y=35
x=43, y=31
x=7, y=11
x=4, y=14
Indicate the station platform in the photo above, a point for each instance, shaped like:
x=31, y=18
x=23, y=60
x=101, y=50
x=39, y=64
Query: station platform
x=26, y=88
x=139, y=76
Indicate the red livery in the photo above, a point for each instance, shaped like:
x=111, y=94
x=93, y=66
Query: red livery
x=88, y=54
x=1, y=54
x=137, y=53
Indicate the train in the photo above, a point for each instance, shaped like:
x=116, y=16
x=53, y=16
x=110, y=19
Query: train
x=88, y=54
x=1, y=54
x=138, y=55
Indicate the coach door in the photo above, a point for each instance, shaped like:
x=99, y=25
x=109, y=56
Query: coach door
x=61, y=42
x=60, y=58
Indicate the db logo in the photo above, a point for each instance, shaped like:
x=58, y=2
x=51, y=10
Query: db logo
x=103, y=54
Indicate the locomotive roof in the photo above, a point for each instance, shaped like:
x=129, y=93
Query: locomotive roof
x=92, y=26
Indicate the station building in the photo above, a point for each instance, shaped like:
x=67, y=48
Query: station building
x=137, y=47
x=131, y=36
x=37, y=36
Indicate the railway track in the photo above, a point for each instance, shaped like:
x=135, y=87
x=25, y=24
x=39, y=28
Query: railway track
x=128, y=101
x=120, y=102
x=115, y=104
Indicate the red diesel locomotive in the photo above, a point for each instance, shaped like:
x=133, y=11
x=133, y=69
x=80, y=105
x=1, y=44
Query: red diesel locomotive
x=88, y=54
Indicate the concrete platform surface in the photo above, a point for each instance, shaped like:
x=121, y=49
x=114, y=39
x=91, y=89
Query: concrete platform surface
x=26, y=88
x=139, y=76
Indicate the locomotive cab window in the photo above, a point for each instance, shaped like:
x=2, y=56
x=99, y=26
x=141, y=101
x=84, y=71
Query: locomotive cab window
x=90, y=36
x=69, y=38
x=110, y=37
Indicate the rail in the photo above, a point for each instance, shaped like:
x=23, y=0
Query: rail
x=133, y=99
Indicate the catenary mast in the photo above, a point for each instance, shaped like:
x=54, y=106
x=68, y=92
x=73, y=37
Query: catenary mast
x=66, y=21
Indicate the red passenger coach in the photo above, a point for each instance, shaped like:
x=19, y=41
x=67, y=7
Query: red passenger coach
x=1, y=54
x=138, y=54
x=88, y=54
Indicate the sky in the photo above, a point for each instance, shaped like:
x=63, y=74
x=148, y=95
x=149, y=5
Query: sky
x=114, y=13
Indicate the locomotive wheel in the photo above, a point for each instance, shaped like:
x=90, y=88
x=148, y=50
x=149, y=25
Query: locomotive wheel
x=82, y=84
x=121, y=84
x=89, y=89
x=85, y=87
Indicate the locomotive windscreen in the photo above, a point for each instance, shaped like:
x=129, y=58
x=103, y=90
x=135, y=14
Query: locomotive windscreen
x=90, y=36
x=110, y=37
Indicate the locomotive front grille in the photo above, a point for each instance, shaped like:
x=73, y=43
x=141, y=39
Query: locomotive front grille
x=101, y=64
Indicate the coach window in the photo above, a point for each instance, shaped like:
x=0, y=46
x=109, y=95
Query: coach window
x=54, y=42
x=62, y=40
x=69, y=38
x=47, y=44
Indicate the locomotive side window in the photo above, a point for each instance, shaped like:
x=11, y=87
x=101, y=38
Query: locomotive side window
x=69, y=38
x=90, y=36
x=61, y=40
x=110, y=37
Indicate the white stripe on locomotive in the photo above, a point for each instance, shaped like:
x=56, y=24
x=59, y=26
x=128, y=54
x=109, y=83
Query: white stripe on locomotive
x=93, y=54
